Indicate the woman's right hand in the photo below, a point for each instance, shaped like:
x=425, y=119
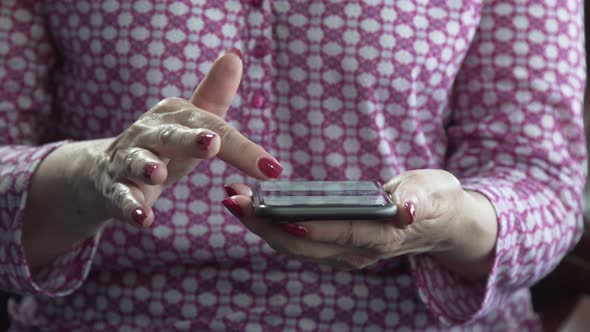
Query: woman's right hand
x=168, y=141
x=163, y=145
x=79, y=186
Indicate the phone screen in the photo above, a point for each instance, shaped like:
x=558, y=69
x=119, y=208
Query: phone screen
x=321, y=193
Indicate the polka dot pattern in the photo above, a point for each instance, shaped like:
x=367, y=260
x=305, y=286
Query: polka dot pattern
x=489, y=90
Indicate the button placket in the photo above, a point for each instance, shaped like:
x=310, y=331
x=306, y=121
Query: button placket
x=261, y=48
x=258, y=100
x=256, y=84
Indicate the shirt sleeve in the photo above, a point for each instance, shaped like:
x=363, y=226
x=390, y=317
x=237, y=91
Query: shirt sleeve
x=516, y=136
x=26, y=122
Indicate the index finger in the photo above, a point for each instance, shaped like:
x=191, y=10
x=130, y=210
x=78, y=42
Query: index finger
x=217, y=90
x=349, y=233
x=249, y=157
x=238, y=150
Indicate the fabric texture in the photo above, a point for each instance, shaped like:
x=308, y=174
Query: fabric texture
x=489, y=90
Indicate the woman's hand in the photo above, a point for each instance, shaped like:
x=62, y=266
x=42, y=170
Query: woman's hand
x=435, y=216
x=167, y=142
x=81, y=185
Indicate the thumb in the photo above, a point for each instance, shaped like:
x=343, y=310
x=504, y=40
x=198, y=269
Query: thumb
x=216, y=92
x=404, y=193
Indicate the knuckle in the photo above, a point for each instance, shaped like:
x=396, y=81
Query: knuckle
x=115, y=159
x=206, y=120
x=119, y=194
x=168, y=105
x=105, y=189
x=195, y=116
x=227, y=133
x=166, y=133
x=346, y=236
x=150, y=117
x=223, y=129
x=118, y=166
x=133, y=155
x=183, y=114
x=385, y=241
x=135, y=129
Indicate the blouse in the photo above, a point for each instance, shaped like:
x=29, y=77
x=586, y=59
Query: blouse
x=489, y=90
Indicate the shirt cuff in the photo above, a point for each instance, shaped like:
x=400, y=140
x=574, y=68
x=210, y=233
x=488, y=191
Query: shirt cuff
x=455, y=300
x=65, y=273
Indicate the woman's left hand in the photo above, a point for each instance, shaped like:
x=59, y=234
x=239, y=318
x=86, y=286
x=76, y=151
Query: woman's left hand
x=435, y=215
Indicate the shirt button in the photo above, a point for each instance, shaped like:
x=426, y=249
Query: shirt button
x=260, y=50
x=258, y=100
x=256, y=3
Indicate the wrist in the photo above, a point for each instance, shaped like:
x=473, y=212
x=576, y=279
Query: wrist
x=474, y=233
x=52, y=219
x=83, y=179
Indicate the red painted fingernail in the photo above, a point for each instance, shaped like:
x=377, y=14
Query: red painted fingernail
x=409, y=205
x=138, y=216
x=148, y=170
x=204, y=140
x=270, y=168
x=296, y=230
x=235, y=51
x=233, y=207
x=230, y=191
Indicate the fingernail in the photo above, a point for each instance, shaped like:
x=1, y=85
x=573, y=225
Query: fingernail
x=138, y=216
x=204, y=140
x=148, y=170
x=270, y=168
x=409, y=205
x=230, y=191
x=295, y=230
x=236, y=51
x=233, y=207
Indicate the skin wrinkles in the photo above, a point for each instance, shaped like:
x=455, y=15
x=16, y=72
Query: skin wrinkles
x=440, y=228
x=122, y=177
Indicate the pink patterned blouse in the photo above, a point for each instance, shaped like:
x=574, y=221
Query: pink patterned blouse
x=490, y=90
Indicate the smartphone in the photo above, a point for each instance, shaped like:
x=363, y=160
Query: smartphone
x=289, y=201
